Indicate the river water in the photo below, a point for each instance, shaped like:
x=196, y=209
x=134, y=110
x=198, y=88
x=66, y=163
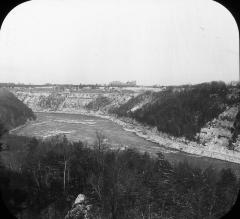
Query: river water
x=81, y=127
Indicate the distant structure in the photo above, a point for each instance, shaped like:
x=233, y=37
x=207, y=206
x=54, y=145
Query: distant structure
x=131, y=83
x=122, y=84
x=115, y=83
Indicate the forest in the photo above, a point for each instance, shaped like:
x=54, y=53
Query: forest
x=100, y=101
x=181, y=111
x=13, y=112
x=118, y=184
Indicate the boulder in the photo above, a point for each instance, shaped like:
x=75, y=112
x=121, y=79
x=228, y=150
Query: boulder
x=80, y=208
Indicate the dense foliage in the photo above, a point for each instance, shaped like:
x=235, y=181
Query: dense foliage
x=125, y=109
x=118, y=184
x=98, y=103
x=235, y=132
x=182, y=111
x=53, y=101
x=13, y=112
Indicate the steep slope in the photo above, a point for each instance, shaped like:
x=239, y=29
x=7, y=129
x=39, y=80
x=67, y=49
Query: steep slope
x=54, y=101
x=180, y=112
x=13, y=112
x=132, y=104
x=107, y=103
x=235, y=140
x=220, y=131
x=73, y=101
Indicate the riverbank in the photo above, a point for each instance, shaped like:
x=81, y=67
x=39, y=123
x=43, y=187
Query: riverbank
x=151, y=134
x=20, y=126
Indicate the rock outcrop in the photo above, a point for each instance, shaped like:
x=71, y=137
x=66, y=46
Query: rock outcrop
x=235, y=140
x=80, y=209
x=73, y=101
x=218, y=132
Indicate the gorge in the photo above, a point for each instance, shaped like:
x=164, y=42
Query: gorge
x=121, y=105
x=100, y=143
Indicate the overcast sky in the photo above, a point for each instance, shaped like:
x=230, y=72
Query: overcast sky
x=97, y=41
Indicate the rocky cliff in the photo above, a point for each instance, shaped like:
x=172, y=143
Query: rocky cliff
x=73, y=101
x=13, y=112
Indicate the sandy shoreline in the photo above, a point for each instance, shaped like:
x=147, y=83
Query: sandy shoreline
x=151, y=134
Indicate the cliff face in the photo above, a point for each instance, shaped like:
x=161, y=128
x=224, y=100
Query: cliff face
x=235, y=140
x=221, y=130
x=13, y=112
x=73, y=101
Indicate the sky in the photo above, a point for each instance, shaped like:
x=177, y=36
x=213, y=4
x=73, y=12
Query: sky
x=164, y=42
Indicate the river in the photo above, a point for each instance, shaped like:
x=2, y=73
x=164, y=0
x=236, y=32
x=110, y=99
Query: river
x=82, y=127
